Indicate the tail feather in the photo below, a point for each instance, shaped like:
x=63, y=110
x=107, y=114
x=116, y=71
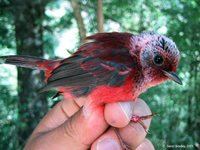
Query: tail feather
x=22, y=61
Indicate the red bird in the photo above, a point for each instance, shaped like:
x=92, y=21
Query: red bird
x=112, y=67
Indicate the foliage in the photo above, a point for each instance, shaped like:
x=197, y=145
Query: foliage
x=178, y=106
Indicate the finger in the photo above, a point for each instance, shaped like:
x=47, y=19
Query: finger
x=119, y=114
x=133, y=134
x=59, y=114
x=78, y=132
x=109, y=140
x=146, y=144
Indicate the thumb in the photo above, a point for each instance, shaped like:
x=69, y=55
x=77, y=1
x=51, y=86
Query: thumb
x=77, y=132
x=84, y=127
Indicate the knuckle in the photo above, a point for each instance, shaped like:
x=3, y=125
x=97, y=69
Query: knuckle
x=69, y=129
x=72, y=131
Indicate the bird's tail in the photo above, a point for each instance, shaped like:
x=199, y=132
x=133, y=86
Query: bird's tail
x=29, y=62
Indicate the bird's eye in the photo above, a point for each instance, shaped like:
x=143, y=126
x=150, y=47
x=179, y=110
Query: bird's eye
x=158, y=60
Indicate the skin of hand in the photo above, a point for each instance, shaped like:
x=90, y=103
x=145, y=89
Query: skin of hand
x=68, y=127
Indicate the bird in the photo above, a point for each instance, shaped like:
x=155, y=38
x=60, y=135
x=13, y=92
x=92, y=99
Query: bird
x=109, y=67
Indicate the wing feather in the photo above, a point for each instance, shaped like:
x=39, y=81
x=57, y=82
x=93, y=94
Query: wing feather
x=87, y=73
x=104, y=61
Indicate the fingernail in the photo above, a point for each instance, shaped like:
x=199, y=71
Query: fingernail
x=127, y=108
x=107, y=144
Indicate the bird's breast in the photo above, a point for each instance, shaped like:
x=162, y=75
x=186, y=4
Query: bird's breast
x=107, y=94
x=103, y=94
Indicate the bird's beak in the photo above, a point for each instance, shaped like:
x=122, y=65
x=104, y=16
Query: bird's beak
x=173, y=76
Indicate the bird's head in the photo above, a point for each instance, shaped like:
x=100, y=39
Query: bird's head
x=159, y=58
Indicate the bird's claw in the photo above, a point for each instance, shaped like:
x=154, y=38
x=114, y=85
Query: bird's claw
x=134, y=119
x=138, y=119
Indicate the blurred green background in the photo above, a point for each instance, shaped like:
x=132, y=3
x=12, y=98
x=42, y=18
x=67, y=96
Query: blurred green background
x=55, y=28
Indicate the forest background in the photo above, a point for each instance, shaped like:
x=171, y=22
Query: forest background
x=55, y=28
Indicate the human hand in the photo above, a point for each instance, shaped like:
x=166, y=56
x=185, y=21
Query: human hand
x=66, y=127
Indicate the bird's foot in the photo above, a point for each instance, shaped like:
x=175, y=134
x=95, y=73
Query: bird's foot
x=138, y=119
x=122, y=143
x=134, y=119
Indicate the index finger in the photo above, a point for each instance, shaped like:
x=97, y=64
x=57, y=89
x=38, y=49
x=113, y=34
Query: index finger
x=59, y=114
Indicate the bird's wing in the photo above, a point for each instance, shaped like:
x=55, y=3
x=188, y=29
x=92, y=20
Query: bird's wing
x=104, y=61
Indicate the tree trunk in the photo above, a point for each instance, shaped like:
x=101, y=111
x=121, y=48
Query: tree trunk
x=142, y=17
x=100, y=17
x=29, y=41
x=79, y=19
